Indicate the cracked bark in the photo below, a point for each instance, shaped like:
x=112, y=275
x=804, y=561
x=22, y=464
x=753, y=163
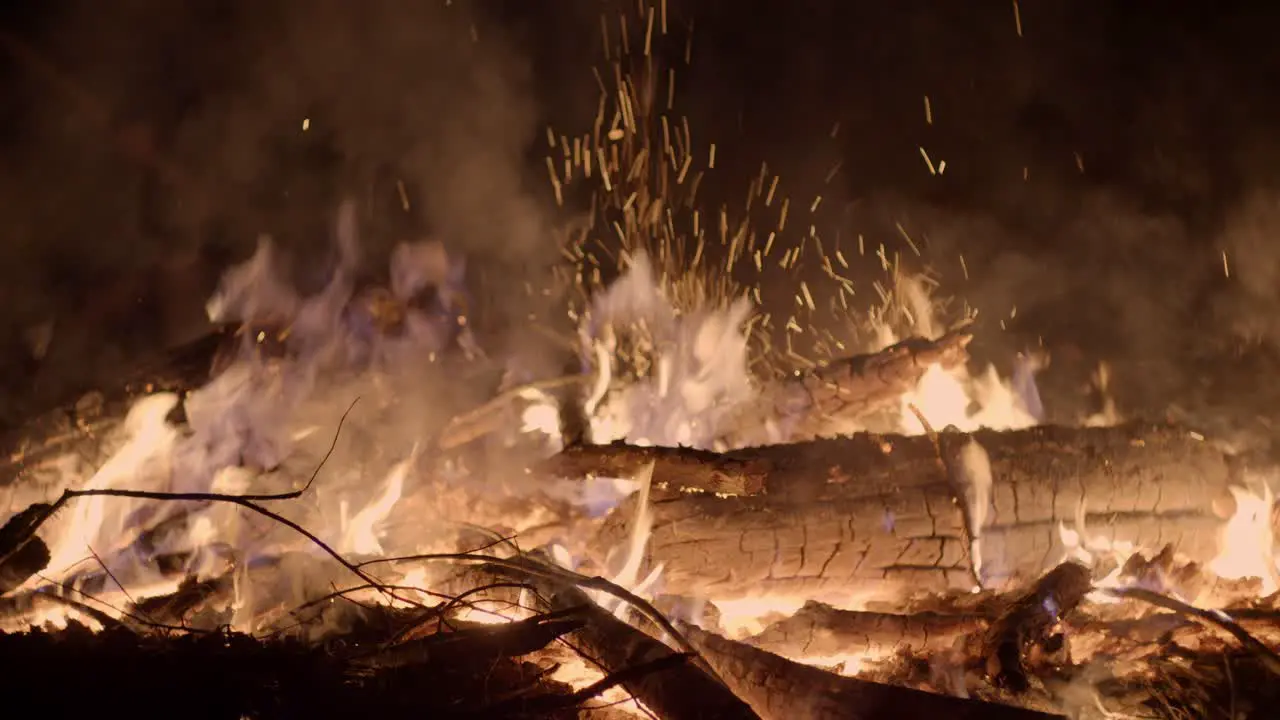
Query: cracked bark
x=818, y=630
x=777, y=688
x=872, y=517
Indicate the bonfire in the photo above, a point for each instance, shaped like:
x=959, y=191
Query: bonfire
x=698, y=521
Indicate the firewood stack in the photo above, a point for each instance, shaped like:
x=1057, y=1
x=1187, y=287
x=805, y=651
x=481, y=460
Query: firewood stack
x=903, y=580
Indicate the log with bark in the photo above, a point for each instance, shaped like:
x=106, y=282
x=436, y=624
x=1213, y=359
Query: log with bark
x=684, y=690
x=838, y=396
x=779, y=688
x=77, y=423
x=818, y=630
x=843, y=395
x=874, y=517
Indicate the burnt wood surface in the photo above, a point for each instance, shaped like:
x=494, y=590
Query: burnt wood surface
x=844, y=394
x=819, y=630
x=871, y=517
x=779, y=689
x=684, y=691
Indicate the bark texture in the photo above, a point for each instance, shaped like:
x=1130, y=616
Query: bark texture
x=684, y=691
x=839, y=396
x=871, y=517
x=780, y=689
x=818, y=630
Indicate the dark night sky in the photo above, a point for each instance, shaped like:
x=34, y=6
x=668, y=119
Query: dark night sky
x=1171, y=107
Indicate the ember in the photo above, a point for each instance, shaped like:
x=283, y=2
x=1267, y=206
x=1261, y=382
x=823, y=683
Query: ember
x=322, y=526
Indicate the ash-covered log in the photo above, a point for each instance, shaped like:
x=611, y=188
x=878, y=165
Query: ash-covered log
x=778, y=688
x=871, y=517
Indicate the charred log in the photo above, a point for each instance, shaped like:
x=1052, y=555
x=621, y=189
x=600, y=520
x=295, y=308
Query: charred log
x=75, y=423
x=818, y=630
x=1028, y=621
x=779, y=688
x=22, y=553
x=682, y=691
x=227, y=675
x=872, y=517
x=841, y=395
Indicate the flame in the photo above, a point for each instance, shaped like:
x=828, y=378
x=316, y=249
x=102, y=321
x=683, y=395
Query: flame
x=100, y=521
x=953, y=398
x=1246, y=548
x=361, y=536
x=691, y=365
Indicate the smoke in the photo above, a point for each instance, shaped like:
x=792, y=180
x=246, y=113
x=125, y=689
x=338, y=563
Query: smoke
x=1090, y=207
x=171, y=136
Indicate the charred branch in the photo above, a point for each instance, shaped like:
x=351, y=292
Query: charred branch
x=22, y=554
x=477, y=646
x=680, y=691
x=1028, y=620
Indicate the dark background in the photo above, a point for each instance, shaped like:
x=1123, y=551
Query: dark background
x=1098, y=165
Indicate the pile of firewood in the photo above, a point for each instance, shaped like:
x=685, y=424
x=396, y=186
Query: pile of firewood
x=969, y=607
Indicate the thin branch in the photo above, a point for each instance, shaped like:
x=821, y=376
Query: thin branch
x=552, y=572
x=1213, y=618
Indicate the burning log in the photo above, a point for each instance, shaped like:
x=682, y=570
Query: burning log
x=823, y=631
x=76, y=422
x=22, y=554
x=814, y=403
x=1027, y=621
x=840, y=395
x=682, y=691
x=779, y=688
x=877, y=516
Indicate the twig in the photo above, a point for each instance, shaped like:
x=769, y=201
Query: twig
x=114, y=579
x=551, y=572
x=1214, y=618
x=595, y=689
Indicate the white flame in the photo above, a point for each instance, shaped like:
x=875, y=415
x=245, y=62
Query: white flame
x=954, y=398
x=1246, y=548
x=696, y=360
